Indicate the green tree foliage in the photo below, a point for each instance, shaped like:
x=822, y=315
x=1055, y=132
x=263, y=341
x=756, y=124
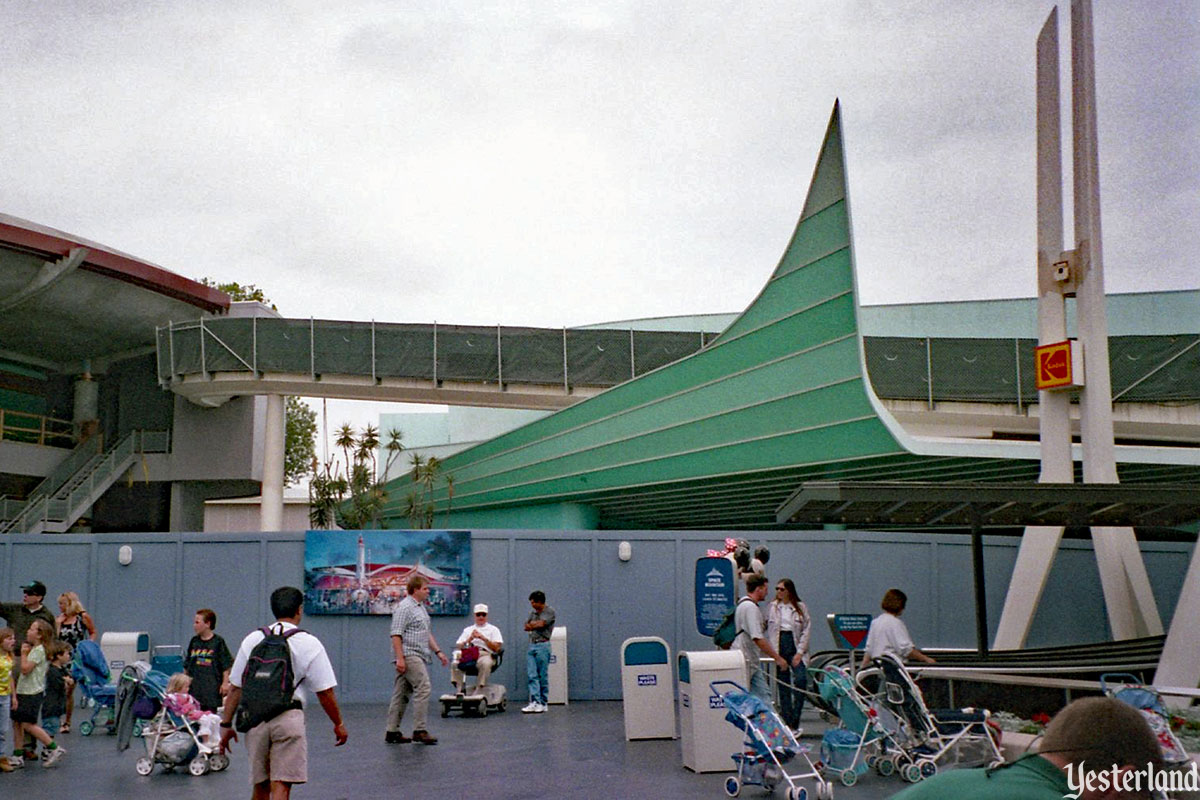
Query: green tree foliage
x=351, y=493
x=240, y=293
x=299, y=442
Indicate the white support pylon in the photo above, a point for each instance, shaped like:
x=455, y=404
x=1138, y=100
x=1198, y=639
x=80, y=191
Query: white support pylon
x=1130, y=602
x=271, y=508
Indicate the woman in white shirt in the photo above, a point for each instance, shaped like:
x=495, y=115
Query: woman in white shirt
x=788, y=629
x=888, y=633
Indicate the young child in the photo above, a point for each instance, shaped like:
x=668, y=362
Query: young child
x=31, y=689
x=58, y=686
x=8, y=641
x=180, y=703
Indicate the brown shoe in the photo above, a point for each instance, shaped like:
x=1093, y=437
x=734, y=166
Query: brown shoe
x=395, y=737
x=5, y=766
x=423, y=737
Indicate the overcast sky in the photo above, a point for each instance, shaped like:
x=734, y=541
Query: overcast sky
x=560, y=163
x=564, y=163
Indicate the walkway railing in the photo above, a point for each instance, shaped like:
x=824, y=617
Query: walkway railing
x=39, y=429
x=1144, y=368
x=58, y=510
x=565, y=357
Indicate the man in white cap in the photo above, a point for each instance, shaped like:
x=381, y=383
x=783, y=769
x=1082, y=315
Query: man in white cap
x=488, y=639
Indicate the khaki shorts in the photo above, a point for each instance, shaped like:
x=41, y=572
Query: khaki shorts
x=278, y=750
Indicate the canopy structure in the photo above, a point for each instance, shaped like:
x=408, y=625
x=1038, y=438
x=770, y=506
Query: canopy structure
x=980, y=505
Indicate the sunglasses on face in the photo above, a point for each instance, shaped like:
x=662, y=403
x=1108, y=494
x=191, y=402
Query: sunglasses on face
x=480, y=614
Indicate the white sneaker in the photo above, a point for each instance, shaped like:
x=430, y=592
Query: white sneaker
x=541, y=709
x=16, y=762
x=53, y=757
x=533, y=708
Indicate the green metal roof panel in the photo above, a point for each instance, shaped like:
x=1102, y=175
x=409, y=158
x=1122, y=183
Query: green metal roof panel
x=722, y=437
x=779, y=390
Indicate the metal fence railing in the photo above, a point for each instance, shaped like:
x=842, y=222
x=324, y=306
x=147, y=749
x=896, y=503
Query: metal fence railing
x=39, y=429
x=1158, y=368
x=79, y=490
x=491, y=354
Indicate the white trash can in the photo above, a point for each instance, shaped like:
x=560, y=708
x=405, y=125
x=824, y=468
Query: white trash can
x=122, y=649
x=706, y=740
x=646, y=688
x=558, y=666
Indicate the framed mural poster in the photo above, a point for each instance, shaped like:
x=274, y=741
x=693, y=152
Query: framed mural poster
x=365, y=572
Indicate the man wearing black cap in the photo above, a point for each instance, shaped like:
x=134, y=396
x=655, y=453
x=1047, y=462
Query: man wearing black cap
x=21, y=615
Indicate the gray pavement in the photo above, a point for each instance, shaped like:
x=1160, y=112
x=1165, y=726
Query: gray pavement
x=576, y=751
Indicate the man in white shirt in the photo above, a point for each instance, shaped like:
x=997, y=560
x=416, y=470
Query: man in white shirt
x=488, y=639
x=752, y=637
x=278, y=747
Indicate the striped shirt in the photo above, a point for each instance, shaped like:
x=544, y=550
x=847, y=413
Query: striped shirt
x=410, y=621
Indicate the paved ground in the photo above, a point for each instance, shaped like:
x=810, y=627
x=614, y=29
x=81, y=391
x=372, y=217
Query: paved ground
x=576, y=751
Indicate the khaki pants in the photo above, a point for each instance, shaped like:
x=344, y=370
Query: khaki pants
x=484, y=665
x=413, y=683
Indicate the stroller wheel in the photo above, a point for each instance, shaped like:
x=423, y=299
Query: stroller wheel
x=849, y=777
x=138, y=727
x=503, y=704
x=481, y=709
x=732, y=786
x=928, y=769
x=911, y=773
x=885, y=766
x=86, y=727
x=198, y=765
x=218, y=762
x=797, y=793
x=144, y=766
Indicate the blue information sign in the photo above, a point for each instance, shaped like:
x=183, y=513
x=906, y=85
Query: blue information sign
x=714, y=593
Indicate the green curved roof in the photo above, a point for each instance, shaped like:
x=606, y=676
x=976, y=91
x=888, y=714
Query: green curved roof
x=720, y=438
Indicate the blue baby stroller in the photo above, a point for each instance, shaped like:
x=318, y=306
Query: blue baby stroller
x=89, y=668
x=1147, y=700
x=861, y=742
x=769, y=746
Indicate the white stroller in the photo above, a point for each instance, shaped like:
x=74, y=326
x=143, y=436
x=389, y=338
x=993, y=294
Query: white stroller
x=171, y=740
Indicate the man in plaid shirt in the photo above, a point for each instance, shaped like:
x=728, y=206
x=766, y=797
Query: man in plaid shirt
x=414, y=648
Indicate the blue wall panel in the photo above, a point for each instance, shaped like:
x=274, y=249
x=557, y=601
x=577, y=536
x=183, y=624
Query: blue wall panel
x=601, y=600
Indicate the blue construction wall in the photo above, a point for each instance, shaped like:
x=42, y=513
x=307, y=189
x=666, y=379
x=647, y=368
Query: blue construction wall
x=600, y=599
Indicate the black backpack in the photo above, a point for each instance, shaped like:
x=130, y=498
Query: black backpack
x=727, y=631
x=268, y=682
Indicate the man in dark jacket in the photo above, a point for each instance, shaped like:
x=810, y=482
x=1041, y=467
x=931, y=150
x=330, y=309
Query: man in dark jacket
x=21, y=615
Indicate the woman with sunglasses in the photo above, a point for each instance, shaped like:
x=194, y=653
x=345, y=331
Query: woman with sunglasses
x=788, y=629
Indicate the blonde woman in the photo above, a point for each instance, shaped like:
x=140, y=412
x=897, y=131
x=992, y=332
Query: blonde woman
x=73, y=626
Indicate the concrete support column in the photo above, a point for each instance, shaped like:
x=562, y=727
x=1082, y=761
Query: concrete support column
x=86, y=414
x=271, y=513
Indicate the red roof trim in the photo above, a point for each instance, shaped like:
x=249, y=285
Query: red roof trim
x=106, y=261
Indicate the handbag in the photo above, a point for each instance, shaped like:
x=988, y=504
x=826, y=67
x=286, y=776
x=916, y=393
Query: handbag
x=468, y=656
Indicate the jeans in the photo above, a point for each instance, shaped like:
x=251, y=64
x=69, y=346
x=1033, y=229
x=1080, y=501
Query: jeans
x=51, y=725
x=791, y=702
x=759, y=686
x=537, y=667
x=5, y=724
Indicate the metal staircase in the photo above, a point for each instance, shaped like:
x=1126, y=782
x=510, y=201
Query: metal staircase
x=71, y=489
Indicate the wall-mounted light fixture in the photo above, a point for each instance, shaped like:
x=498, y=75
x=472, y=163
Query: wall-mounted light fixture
x=624, y=551
x=125, y=555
